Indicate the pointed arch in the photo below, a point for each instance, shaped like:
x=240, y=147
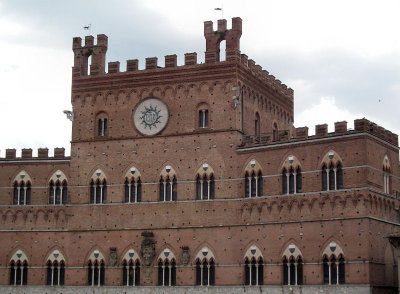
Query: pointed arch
x=166, y=268
x=22, y=188
x=292, y=265
x=168, y=185
x=205, y=185
x=253, y=179
x=133, y=186
x=205, y=267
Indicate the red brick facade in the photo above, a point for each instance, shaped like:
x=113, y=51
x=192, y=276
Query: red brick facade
x=237, y=152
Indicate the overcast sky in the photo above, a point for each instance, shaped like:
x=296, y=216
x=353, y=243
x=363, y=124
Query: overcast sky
x=342, y=58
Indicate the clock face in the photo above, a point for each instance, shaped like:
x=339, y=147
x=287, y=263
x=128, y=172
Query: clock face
x=151, y=116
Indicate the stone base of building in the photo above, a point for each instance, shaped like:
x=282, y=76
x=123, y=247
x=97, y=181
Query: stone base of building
x=307, y=289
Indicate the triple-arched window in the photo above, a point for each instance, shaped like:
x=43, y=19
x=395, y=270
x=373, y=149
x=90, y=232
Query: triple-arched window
x=332, y=172
x=98, y=188
x=22, y=189
x=19, y=269
x=131, y=269
x=291, y=180
x=205, y=186
x=292, y=266
x=168, y=185
x=55, y=269
x=166, y=268
x=205, y=268
x=253, y=267
x=58, y=189
x=253, y=180
x=333, y=265
x=133, y=186
x=96, y=269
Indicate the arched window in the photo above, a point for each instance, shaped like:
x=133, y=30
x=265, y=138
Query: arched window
x=19, y=269
x=96, y=269
x=58, y=188
x=166, y=272
x=102, y=127
x=254, y=274
x=131, y=269
x=168, y=185
x=22, y=193
x=291, y=176
x=333, y=265
x=254, y=267
x=253, y=180
x=98, y=188
x=203, y=118
x=332, y=177
x=253, y=184
x=205, y=186
x=58, y=192
x=133, y=190
x=55, y=269
x=386, y=175
x=205, y=268
x=292, y=266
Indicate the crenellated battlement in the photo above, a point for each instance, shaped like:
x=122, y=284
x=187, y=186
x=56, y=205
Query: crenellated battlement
x=26, y=154
x=321, y=131
x=212, y=55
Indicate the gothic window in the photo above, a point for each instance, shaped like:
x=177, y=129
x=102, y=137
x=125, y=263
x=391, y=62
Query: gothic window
x=253, y=180
x=19, y=269
x=131, y=269
x=58, y=188
x=253, y=184
x=168, y=185
x=98, y=188
x=332, y=177
x=205, y=272
x=55, y=269
x=96, y=269
x=133, y=186
x=333, y=265
x=203, y=118
x=55, y=273
x=22, y=193
x=167, y=272
x=292, y=266
x=205, y=186
x=58, y=192
x=386, y=175
x=98, y=191
x=254, y=271
x=102, y=127
x=291, y=180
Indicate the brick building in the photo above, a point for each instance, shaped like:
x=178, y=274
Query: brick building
x=183, y=177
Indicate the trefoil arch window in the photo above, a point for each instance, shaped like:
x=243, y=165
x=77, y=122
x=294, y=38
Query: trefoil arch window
x=19, y=269
x=131, y=269
x=58, y=189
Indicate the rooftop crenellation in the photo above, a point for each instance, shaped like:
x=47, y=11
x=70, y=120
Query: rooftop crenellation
x=321, y=131
x=213, y=38
x=42, y=153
